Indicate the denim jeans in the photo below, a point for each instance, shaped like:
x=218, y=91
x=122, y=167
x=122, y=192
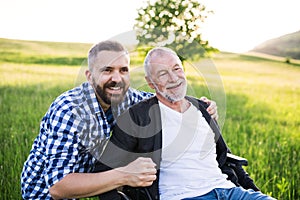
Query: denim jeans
x=236, y=193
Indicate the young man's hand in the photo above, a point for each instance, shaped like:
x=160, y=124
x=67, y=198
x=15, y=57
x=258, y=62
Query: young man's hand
x=140, y=172
x=212, y=108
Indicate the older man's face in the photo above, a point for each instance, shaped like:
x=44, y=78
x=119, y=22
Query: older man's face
x=168, y=77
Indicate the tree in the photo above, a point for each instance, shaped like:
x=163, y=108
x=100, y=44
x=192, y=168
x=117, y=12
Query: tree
x=175, y=24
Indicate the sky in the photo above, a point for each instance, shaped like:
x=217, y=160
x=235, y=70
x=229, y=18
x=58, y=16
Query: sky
x=235, y=26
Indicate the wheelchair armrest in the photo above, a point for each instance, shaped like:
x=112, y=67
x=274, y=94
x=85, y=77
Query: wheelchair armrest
x=236, y=160
x=132, y=193
x=123, y=196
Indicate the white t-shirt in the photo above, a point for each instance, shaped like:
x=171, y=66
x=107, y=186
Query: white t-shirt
x=188, y=167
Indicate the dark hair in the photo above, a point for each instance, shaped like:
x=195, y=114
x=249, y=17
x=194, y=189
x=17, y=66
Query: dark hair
x=108, y=45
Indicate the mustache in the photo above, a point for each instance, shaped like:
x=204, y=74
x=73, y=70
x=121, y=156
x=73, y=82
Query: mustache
x=170, y=86
x=115, y=84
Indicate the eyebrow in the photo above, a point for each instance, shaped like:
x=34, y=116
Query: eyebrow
x=104, y=67
x=111, y=67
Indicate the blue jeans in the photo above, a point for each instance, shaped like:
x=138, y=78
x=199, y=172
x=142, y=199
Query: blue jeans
x=236, y=193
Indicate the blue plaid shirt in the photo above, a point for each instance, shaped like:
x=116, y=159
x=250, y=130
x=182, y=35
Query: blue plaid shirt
x=73, y=134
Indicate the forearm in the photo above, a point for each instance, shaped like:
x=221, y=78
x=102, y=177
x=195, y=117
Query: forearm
x=78, y=185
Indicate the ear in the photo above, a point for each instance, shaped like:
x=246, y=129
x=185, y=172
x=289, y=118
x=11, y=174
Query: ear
x=150, y=83
x=88, y=76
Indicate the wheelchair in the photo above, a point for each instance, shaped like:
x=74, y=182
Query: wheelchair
x=143, y=193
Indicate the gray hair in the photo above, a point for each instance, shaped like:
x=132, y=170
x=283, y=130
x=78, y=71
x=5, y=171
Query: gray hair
x=157, y=51
x=108, y=45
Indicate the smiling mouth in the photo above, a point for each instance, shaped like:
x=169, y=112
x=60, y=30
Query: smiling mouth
x=115, y=90
x=174, y=86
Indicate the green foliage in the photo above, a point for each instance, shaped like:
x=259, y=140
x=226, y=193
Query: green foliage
x=21, y=110
x=262, y=120
x=176, y=24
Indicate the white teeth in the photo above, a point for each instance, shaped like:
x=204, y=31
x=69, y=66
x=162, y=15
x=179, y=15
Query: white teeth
x=115, y=88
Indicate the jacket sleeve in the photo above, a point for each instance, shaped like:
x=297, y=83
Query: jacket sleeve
x=119, y=150
x=116, y=154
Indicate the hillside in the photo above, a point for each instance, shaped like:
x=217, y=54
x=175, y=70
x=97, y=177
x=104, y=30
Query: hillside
x=287, y=46
x=73, y=54
x=37, y=52
x=45, y=53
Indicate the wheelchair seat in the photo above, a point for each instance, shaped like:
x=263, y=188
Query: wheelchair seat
x=143, y=193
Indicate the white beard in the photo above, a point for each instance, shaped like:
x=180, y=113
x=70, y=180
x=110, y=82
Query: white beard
x=172, y=97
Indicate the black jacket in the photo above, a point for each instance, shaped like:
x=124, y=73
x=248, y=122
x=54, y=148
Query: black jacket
x=138, y=133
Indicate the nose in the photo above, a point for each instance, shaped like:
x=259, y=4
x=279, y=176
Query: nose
x=172, y=76
x=116, y=76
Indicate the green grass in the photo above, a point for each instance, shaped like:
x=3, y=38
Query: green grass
x=45, y=53
x=260, y=114
x=263, y=120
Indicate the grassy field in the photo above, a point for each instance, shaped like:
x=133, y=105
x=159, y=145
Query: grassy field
x=258, y=103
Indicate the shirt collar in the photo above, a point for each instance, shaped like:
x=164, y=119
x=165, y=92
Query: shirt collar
x=89, y=92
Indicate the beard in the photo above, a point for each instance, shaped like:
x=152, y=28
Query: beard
x=110, y=98
x=172, y=97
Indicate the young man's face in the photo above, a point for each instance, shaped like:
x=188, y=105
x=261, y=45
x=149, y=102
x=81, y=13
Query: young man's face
x=168, y=78
x=110, y=76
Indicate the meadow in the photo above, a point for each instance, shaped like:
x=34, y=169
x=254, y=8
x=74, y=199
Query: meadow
x=257, y=98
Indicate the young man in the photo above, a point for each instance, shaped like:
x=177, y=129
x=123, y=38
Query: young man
x=178, y=134
x=75, y=131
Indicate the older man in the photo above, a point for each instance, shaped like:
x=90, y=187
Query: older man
x=181, y=138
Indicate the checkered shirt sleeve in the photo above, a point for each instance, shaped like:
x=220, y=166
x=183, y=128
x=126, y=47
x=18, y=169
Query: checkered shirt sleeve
x=57, y=151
